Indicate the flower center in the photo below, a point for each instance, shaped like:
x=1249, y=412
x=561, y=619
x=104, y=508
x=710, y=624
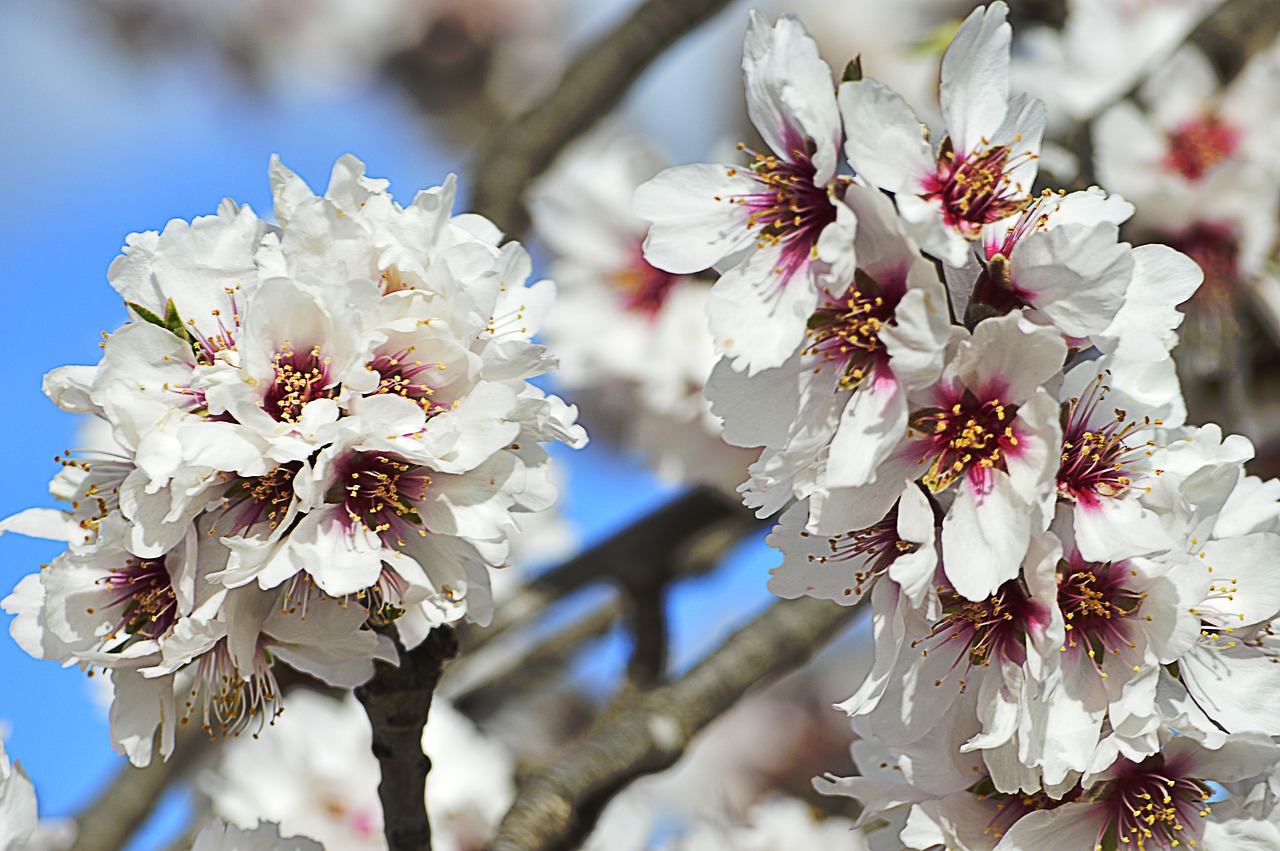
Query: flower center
x=967, y=439
x=846, y=329
x=1097, y=605
x=1093, y=457
x=876, y=547
x=1010, y=807
x=642, y=287
x=790, y=211
x=145, y=590
x=263, y=499
x=1152, y=807
x=1215, y=249
x=987, y=630
x=300, y=377
x=378, y=491
x=976, y=190
x=401, y=375
x=229, y=700
x=1199, y=144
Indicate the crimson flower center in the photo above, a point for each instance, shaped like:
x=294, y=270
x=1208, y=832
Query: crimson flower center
x=378, y=492
x=1093, y=457
x=969, y=438
x=876, y=546
x=262, y=499
x=1097, y=607
x=988, y=630
x=846, y=329
x=643, y=287
x=300, y=377
x=145, y=590
x=1199, y=144
x=400, y=374
x=1153, y=807
x=790, y=211
x=977, y=189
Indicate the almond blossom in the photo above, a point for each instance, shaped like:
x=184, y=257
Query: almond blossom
x=778, y=227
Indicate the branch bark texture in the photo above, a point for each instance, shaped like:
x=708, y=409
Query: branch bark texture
x=523, y=148
x=556, y=808
x=397, y=701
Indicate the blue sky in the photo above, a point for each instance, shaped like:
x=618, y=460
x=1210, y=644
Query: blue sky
x=96, y=148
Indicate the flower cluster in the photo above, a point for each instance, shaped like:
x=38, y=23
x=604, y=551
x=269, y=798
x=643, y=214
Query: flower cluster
x=969, y=415
x=324, y=426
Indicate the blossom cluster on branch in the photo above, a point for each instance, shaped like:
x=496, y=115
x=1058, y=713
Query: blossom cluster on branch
x=969, y=415
x=324, y=428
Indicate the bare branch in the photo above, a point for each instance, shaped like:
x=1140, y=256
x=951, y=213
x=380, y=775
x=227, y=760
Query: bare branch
x=131, y=796
x=521, y=149
x=556, y=808
x=685, y=537
x=478, y=687
x=397, y=701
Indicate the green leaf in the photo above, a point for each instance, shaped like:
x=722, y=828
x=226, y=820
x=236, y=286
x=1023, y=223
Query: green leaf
x=171, y=321
x=852, y=71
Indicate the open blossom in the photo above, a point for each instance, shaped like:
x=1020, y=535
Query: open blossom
x=779, y=225
x=982, y=170
x=632, y=339
x=323, y=425
x=839, y=403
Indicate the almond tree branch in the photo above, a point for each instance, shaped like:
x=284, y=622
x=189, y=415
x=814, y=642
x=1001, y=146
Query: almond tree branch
x=132, y=794
x=521, y=149
x=556, y=808
x=397, y=701
x=685, y=537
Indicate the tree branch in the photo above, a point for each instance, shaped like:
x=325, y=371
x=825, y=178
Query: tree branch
x=558, y=807
x=686, y=537
x=133, y=793
x=397, y=701
x=522, y=149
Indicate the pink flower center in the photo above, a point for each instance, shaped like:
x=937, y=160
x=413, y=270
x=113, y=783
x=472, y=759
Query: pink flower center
x=145, y=590
x=977, y=189
x=262, y=499
x=1215, y=249
x=402, y=375
x=1151, y=805
x=643, y=288
x=378, y=492
x=845, y=330
x=985, y=631
x=872, y=549
x=968, y=438
x=1094, y=457
x=300, y=377
x=1199, y=144
x=791, y=211
x=1097, y=607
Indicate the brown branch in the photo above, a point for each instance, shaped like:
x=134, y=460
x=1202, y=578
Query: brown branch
x=397, y=701
x=482, y=691
x=556, y=808
x=522, y=149
x=132, y=794
x=686, y=537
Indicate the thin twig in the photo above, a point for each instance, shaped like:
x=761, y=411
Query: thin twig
x=397, y=701
x=521, y=149
x=557, y=807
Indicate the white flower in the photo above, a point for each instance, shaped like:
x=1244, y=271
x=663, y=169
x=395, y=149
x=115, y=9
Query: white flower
x=776, y=824
x=984, y=167
x=220, y=836
x=777, y=226
x=17, y=805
